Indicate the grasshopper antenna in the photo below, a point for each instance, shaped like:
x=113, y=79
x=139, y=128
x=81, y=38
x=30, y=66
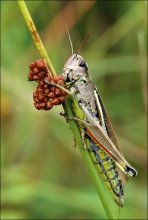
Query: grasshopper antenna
x=69, y=39
x=82, y=43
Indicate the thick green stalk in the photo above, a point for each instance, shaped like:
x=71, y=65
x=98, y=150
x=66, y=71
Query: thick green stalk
x=75, y=128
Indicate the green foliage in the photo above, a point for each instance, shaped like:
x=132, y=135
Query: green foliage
x=43, y=177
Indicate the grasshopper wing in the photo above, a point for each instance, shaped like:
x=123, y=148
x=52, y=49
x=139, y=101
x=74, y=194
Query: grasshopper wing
x=97, y=133
x=111, y=134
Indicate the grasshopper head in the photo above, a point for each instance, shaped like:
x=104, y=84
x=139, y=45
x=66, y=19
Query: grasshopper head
x=74, y=68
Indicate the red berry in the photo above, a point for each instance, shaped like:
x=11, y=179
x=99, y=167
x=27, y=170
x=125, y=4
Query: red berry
x=46, y=91
x=61, y=99
x=41, y=97
x=52, y=89
x=50, y=95
x=49, y=105
x=32, y=65
x=55, y=101
x=35, y=70
x=35, y=77
x=40, y=64
x=57, y=92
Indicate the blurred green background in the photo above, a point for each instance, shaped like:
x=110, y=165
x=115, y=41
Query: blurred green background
x=43, y=176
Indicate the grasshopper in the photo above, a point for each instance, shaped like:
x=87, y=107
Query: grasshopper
x=91, y=114
x=103, y=143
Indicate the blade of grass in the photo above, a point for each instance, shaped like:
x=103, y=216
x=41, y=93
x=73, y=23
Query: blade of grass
x=85, y=155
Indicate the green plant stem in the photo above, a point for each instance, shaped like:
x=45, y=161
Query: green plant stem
x=75, y=128
x=35, y=35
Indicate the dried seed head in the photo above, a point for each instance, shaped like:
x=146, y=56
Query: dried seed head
x=45, y=95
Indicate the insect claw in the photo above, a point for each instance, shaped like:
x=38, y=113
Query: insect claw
x=66, y=117
x=63, y=114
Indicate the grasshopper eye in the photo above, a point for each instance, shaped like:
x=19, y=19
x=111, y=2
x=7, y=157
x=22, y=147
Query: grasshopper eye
x=82, y=64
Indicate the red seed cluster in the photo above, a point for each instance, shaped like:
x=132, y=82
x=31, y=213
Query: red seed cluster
x=45, y=95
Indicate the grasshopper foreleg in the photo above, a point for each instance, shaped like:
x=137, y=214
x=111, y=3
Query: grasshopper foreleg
x=65, y=116
x=74, y=118
x=59, y=87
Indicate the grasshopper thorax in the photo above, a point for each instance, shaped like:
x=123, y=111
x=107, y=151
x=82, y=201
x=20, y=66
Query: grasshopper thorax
x=74, y=68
